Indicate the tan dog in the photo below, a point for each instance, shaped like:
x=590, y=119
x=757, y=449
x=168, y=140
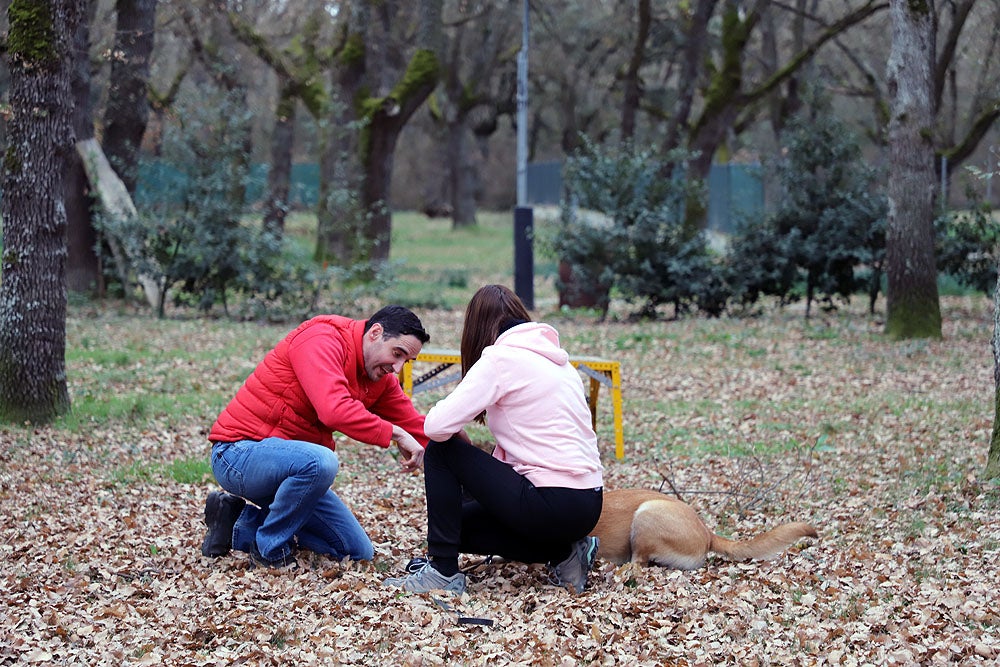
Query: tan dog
x=645, y=526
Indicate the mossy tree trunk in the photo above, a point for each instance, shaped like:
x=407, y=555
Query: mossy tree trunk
x=732, y=100
x=301, y=68
x=382, y=118
x=362, y=113
x=384, y=121
x=913, y=309
x=339, y=218
x=40, y=140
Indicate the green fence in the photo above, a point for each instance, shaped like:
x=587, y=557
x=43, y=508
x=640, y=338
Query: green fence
x=161, y=182
x=734, y=191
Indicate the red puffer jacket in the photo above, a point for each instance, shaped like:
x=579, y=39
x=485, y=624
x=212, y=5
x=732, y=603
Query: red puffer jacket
x=312, y=383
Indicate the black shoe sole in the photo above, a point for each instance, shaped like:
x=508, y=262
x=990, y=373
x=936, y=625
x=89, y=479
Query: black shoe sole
x=220, y=517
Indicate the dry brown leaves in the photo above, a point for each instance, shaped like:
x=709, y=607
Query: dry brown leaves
x=886, y=442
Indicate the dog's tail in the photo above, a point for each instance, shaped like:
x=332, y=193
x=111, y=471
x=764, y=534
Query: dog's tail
x=764, y=546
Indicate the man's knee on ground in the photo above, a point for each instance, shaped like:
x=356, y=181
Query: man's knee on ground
x=325, y=465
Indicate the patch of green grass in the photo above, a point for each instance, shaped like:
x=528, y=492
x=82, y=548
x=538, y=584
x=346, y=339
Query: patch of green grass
x=916, y=527
x=926, y=474
x=89, y=408
x=819, y=332
x=87, y=351
x=190, y=470
x=280, y=637
x=129, y=370
x=193, y=470
x=136, y=472
x=948, y=285
x=718, y=337
x=638, y=341
x=424, y=247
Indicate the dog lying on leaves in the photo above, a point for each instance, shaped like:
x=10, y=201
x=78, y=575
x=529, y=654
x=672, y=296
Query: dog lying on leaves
x=645, y=526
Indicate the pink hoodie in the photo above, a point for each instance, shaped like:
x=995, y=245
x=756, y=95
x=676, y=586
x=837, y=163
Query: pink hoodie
x=535, y=407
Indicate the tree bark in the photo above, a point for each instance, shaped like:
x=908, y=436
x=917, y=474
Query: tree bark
x=633, y=84
x=279, y=175
x=339, y=222
x=116, y=202
x=993, y=458
x=692, y=64
x=728, y=95
x=464, y=175
x=83, y=266
x=33, y=264
x=128, y=104
x=913, y=309
x=383, y=119
x=475, y=92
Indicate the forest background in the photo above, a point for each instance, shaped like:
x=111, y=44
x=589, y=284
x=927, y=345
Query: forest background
x=719, y=81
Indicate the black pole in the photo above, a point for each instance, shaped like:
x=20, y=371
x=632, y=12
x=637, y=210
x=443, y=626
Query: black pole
x=524, y=260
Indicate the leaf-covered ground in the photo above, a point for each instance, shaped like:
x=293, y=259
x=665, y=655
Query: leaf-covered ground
x=880, y=445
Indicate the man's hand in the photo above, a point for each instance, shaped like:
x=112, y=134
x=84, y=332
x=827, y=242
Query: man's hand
x=411, y=452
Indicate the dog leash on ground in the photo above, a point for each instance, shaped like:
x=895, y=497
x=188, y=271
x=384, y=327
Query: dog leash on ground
x=462, y=620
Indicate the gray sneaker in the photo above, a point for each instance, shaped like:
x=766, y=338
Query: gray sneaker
x=572, y=572
x=428, y=579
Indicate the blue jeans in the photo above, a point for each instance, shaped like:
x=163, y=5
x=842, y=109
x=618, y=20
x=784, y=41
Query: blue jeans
x=288, y=483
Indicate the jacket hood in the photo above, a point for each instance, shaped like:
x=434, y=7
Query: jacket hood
x=536, y=337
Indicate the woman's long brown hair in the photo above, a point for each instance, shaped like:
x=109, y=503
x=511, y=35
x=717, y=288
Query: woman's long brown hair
x=490, y=307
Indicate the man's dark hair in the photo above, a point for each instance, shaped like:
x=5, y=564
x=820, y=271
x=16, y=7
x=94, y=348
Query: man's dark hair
x=398, y=321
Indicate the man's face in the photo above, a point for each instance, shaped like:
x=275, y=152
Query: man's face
x=387, y=355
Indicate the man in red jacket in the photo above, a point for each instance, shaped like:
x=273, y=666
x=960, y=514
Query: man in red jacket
x=273, y=444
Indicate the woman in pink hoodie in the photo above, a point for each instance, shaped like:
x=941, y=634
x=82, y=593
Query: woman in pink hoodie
x=540, y=493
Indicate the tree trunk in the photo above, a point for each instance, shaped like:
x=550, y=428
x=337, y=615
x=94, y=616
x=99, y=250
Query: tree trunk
x=384, y=129
x=436, y=197
x=115, y=201
x=128, y=105
x=463, y=172
x=338, y=221
x=386, y=121
x=337, y=216
x=83, y=267
x=913, y=310
x=33, y=264
x=478, y=82
x=279, y=175
x=383, y=119
x=993, y=459
x=633, y=86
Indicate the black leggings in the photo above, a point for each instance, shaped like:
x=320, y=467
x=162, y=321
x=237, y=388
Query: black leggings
x=478, y=504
